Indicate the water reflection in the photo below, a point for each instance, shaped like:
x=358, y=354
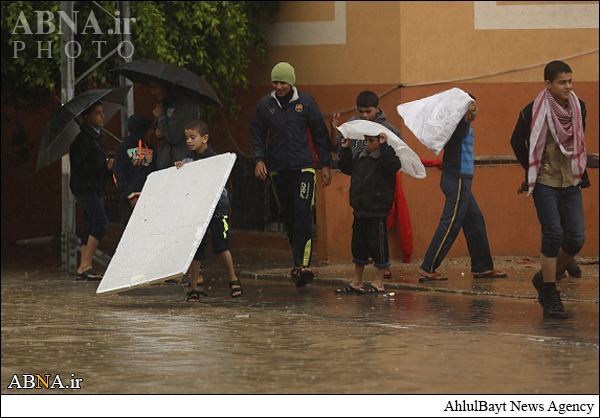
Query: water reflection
x=280, y=339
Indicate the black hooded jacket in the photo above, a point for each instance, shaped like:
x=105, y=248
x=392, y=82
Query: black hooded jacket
x=373, y=182
x=134, y=158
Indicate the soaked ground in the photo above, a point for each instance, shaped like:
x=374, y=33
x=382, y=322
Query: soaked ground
x=282, y=340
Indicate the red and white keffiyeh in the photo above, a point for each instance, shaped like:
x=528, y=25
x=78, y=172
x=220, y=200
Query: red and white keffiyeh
x=565, y=126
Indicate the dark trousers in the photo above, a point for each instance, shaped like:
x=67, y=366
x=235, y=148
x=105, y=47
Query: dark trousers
x=94, y=217
x=460, y=212
x=369, y=238
x=295, y=194
x=560, y=212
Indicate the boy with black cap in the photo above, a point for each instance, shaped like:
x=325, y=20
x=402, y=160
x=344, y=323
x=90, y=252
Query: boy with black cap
x=280, y=129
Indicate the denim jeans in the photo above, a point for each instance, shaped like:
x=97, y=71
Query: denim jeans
x=560, y=212
x=461, y=211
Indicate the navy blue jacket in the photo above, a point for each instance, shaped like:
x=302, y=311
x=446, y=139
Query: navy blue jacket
x=280, y=133
x=130, y=168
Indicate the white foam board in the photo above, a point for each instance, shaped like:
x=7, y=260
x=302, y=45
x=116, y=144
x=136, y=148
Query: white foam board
x=167, y=224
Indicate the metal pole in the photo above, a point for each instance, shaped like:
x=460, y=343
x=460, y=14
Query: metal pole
x=125, y=39
x=68, y=246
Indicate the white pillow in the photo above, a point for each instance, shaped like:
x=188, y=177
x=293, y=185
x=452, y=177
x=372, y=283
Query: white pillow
x=433, y=119
x=411, y=163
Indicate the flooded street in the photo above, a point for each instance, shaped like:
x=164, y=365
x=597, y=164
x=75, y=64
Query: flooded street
x=282, y=340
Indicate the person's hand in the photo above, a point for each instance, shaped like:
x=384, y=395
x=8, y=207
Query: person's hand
x=178, y=164
x=158, y=110
x=471, y=112
x=325, y=177
x=133, y=201
x=260, y=170
x=335, y=121
x=345, y=143
x=109, y=163
x=592, y=160
x=382, y=138
x=523, y=187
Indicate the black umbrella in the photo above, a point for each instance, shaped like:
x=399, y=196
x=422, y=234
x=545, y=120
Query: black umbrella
x=65, y=124
x=144, y=71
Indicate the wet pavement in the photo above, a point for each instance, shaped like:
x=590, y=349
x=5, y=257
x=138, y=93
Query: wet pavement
x=462, y=336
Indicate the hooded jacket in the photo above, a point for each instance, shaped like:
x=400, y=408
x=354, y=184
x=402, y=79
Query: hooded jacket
x=134, y=158
x=373, y=181
x=357, y=145
x=180, y=110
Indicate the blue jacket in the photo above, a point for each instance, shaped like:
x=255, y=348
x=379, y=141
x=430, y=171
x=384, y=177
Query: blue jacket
x=459, y=156
x=280, y=132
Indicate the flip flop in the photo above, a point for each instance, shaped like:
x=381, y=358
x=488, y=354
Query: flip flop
x=369, y=289
x=89, y=275
x=494, y=274
x=435, y=276
x=347, y=289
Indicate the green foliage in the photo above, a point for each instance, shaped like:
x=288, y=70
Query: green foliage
x=210, y=38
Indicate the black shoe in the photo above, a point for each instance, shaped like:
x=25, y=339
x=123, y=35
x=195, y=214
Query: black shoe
x=538, y=282
x=553, y=307
x=573, y=269
x=302, y=276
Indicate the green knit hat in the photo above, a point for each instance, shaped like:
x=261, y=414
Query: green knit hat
x=284, y=72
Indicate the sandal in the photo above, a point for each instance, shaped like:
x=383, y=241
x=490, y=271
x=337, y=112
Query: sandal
x=193, y=296
x=236, y=288
x=387, y=274
x=369, y=289
x=435, y=276
x=347, y=289
x=89, y=275
x=492, y=274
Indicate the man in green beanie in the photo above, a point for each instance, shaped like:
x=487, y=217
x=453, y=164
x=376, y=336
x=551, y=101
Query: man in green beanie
x=281, y=129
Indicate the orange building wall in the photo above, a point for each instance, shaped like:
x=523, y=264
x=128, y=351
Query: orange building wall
x=427, y=48
x=414, y=44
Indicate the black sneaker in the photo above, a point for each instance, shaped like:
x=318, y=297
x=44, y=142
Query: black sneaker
x=302, y=276
x=538, y=282
x=553, y=307
x=573, y=269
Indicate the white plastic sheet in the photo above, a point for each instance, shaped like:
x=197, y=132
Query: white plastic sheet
x=167, y=224
x=433, y=119
x=411, y=163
